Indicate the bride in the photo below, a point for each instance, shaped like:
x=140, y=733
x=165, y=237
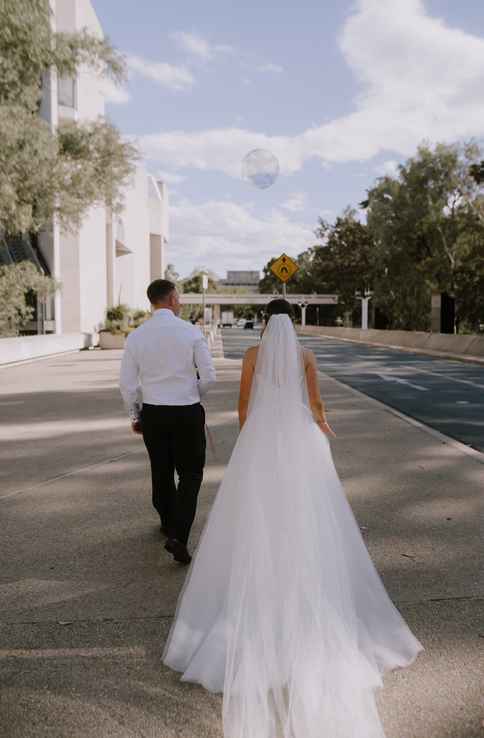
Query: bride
x=283, y=610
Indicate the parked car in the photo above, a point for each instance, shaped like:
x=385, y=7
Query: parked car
x=249, y=325
x=241, y=322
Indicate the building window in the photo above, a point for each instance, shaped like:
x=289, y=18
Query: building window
x=66, y=91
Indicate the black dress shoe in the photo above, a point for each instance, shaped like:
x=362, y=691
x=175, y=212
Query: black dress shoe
x=178, y=550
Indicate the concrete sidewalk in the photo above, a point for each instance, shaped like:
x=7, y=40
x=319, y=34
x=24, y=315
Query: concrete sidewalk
x=87, y=592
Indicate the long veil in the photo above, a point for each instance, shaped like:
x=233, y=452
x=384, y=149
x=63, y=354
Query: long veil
x=283, y=609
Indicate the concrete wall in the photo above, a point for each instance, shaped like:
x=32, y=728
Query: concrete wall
x=70, y=295
x=24, y=348
x=465, y=345
x=133, y=270
x=92, y=270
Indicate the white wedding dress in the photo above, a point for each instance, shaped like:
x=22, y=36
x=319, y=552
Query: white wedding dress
x=282, y=609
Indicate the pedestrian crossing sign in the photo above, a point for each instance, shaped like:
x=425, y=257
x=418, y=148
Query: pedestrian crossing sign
x=284, y=268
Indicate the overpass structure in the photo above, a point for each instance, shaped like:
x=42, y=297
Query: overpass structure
x=214, y=298
x=256, y=298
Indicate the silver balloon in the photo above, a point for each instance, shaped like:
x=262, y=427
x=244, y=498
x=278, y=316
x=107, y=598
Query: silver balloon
x=261, y=168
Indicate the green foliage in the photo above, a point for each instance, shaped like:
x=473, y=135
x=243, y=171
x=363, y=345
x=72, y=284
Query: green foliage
x=63, y=172
x=344, y=265
x=424, y=232
x=428, y=229
x=118, y=312
x=120, y=319
x=193, y=283
x=16, y=282
x=29, y=48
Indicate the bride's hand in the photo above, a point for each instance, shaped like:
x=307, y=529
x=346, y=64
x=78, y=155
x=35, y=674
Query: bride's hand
x=326, y=428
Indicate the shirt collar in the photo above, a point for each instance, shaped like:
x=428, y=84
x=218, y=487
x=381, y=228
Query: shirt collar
x=164, y=312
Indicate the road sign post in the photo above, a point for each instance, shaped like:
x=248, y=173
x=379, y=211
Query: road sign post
x=284, y=268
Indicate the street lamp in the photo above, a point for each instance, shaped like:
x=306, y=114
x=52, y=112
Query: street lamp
x=365, y=299
x=303, y=305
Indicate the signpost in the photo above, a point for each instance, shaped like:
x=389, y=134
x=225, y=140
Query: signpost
x=284, y=268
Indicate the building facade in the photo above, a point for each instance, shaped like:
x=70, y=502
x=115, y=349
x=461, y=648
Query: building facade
x=111, y=258
x=242, y=279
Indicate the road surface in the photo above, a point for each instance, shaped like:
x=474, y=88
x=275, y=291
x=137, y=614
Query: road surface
x=88, y=594
x=445, y=395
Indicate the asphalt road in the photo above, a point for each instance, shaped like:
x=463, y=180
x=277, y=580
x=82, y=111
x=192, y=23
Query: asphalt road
x=445, y=395
x=87, y=592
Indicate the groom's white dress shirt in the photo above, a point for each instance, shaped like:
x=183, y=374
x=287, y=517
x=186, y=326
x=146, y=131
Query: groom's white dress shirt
x=160, y=363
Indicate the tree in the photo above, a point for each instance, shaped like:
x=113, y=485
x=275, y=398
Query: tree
x=421, y=222
x=17, y=281
x=46, y=173
x=193, y=283
x=344, y=264
x=401, y=291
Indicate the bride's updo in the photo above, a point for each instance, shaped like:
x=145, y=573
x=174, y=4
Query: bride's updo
x=279, y=307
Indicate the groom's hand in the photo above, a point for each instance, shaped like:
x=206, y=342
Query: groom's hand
x=136, y=427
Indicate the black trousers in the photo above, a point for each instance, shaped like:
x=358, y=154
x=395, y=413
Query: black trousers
x=174, y=437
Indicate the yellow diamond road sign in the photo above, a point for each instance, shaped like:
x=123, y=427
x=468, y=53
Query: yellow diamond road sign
x=284, y=268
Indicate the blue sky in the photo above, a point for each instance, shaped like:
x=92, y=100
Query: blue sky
x=339, y=91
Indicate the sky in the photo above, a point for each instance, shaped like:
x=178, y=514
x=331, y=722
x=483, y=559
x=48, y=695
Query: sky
x=339, y=91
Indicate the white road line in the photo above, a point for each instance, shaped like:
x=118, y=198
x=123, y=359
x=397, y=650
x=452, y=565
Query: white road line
x=391, y=378
x=468, y=450
x=444, y=376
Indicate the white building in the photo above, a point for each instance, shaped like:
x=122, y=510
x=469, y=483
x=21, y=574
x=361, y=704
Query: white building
x=109, y=260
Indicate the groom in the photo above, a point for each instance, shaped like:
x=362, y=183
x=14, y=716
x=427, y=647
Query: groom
x=166, y=368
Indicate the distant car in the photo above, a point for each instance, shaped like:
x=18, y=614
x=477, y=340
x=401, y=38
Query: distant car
x=241, y=322
x=249, y=325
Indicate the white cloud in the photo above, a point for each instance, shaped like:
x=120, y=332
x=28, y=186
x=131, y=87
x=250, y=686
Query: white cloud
x=113, y=93
x=420, y=79
x=276, y=68
x=171, y=178
x=388, y=168
x=199, y=46
x=295, y=202
x=222, y=232
x=167, y=75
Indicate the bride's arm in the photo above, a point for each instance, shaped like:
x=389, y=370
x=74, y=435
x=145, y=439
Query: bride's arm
x=315, y=402
x=248, y=365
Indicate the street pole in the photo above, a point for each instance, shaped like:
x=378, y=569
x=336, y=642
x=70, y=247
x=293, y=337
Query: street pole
x=303, y=306
x=365, y=299
x=204, y=289
x=284, y=290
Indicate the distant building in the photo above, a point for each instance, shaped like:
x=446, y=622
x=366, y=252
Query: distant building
x=242, y=279
x=111, y=258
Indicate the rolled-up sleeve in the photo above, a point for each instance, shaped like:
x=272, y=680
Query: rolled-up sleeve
x=129, y=383
x=203, y=362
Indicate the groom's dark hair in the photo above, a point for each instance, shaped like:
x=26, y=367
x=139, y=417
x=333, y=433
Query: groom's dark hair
x=159, y=290
x=279, y=307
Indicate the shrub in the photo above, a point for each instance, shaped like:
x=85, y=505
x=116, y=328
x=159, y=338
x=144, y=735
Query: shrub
x=16, y=282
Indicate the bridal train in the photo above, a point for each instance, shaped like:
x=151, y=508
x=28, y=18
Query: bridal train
x=283, y=610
